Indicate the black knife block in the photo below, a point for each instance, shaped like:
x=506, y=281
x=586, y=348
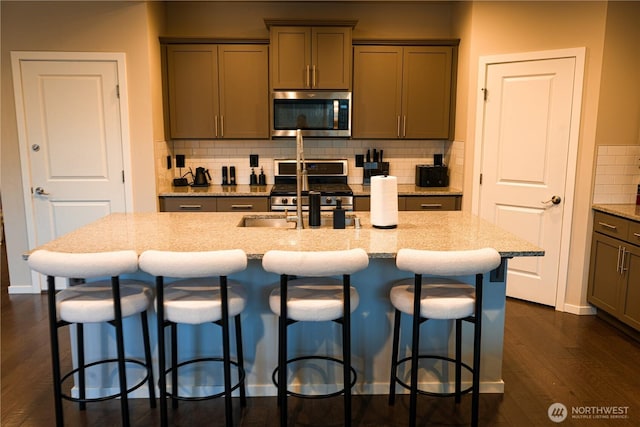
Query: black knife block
x=374, y=169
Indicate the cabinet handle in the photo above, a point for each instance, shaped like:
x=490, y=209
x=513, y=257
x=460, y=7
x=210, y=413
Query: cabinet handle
x=618, y=261
x=404, y=126
x=398, y=127
x=314, y=81
x=431, y=205
x=623, y=269
x=190, y=207
x=242, y=207
x=637, y=235
x=609, y=226
x=307, y=72
x=215, y=126
x=221, y=126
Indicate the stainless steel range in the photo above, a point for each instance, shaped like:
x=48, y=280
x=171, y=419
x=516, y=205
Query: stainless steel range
x=329, y=177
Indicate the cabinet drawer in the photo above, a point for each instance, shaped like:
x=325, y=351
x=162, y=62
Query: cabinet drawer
x=187, y=204
x=433, y=203
x=610, y=225
x=248, y=204
x=634, y=233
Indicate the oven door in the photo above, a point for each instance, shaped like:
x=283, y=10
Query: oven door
x=317, y=114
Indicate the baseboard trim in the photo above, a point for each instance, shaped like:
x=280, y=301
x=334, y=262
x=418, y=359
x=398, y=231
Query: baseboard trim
x=581, y=310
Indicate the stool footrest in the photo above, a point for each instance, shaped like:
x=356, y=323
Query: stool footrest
x=433, y=393
x=111, y=396
x=274, y=377
x=174, y=395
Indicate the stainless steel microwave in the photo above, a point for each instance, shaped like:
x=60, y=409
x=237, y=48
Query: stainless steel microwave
x=316, y=113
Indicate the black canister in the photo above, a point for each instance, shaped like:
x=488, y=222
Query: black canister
x=314, y=209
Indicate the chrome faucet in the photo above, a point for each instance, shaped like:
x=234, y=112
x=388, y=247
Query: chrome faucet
x=302, y=180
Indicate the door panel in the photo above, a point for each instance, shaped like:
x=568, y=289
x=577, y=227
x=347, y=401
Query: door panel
x=525, y=148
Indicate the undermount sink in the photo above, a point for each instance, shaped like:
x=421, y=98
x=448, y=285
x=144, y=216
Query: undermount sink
x=279, y=221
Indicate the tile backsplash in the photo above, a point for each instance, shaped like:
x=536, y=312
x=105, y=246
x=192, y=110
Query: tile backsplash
x=617, y=174
x=212, y=155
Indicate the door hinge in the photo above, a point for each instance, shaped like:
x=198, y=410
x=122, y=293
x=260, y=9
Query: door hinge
x=123, y=176
x=480, y=179
x=118, y=91
x=484, y=93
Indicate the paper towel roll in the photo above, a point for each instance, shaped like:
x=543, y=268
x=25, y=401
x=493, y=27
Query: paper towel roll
x=384, y=201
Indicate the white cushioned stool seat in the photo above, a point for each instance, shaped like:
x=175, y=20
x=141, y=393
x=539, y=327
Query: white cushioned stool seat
x=196, y=301
x=93, y=302
x=440, y=298
x=313, y=300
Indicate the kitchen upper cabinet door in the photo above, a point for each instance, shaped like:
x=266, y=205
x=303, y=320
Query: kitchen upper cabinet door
x=310, y=58
x=244, y=91
x=192, y=90
x=377, y=91
x=331, y=58
x=426, y=94
x=290, y=57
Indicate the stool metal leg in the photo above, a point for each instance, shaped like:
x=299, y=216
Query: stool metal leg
x=225, y=351
x=122, y=373
x=394, y=357
x=147, y=357
x=240, y=355
x=82, y=384
x=55, y=350
x=162, y=381
x=282, y=352
x=458, y=359
x=346, y=348
x=174, y=364
x=415, y=349
x=475, y=393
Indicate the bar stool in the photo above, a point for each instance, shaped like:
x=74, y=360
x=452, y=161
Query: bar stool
x=440, y=298
x=315, y=297
x=205, y=295
x=95, y=302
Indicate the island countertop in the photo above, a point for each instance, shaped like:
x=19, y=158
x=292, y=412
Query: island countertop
x=178, y=231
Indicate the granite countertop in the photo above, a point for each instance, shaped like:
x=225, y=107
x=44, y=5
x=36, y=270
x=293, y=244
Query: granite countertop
x=246, y=190
x=629, y=211
x=177, y=231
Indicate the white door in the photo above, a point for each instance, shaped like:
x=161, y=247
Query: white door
x=72, y=143
x=528, y=136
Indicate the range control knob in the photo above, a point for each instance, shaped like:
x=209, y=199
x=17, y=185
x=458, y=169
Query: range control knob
x=328, y=200
x=294, y=201
x=285, y=201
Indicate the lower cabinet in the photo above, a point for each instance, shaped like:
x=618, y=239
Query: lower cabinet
x=214, y=204
x=243, y=204
x=188, y=204
x=614, y=270
x=415, y=203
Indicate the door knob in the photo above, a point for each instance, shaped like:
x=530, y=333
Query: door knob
x=40, y=191
x=554, y=199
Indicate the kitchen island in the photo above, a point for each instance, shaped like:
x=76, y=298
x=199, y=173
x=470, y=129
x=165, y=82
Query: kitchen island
x=371, y=321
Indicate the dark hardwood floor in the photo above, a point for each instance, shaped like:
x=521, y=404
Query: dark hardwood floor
x=549, y=357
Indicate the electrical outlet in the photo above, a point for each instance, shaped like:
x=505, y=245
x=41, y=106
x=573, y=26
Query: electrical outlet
x=359, y=160
x=179, y=160
x=253, y=160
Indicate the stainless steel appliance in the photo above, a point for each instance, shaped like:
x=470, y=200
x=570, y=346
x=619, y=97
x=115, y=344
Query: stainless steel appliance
x=316, y=113
x=328, y=177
